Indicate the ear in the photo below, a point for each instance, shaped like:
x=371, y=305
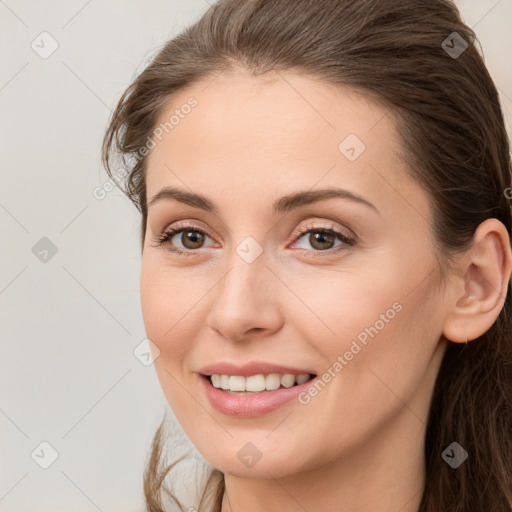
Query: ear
x=478, y=292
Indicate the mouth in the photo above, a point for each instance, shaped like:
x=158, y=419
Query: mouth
x=242, y=403
x=256, y=384
x=238, y=399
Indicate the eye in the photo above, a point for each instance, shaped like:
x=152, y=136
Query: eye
x=191, y=238
x=322, y=238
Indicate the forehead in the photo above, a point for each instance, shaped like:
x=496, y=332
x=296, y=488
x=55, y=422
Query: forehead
x=274, y=134
x=276, y=112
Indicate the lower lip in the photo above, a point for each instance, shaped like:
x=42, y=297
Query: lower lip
x=250, y=406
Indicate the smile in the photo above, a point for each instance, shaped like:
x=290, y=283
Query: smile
x=225, y=393
x=257, y=383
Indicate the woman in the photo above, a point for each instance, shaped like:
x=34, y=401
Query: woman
x=326, y=255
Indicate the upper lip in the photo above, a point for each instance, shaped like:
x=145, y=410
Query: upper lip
x=252, y=368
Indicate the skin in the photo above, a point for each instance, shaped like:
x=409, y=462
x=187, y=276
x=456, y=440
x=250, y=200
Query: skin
x=357, y=446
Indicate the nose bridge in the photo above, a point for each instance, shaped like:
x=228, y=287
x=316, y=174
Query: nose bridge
x=244, y=298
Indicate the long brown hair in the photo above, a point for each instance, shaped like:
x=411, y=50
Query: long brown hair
x=411, y=57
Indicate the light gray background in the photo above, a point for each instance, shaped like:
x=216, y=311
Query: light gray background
x=69, y=325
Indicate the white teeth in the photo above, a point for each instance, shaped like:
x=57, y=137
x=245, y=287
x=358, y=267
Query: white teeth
x=288, y=380
x=257, y=383
x=302, y=378
x=236, y=383
x=273, y=381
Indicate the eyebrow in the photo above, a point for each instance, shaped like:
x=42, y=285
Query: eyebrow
x=283, y=205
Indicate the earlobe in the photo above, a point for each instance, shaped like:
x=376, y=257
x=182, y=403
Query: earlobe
x=479, y=294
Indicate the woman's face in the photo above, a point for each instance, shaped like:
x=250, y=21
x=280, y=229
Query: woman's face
x=360, y=307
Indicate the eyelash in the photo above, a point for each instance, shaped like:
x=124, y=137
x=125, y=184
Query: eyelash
x=167, y=236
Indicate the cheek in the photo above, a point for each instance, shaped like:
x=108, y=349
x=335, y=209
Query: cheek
x=166, y=293
x=361, y=321
x=167, y=299
x=338, y=306
x=382, y=354
x=164, y=305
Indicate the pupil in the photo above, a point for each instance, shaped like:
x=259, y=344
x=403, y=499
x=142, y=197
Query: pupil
x=194, y=237
x=320, y=237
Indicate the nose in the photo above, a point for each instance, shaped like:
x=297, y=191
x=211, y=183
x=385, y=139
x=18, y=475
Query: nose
x=246, y=302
